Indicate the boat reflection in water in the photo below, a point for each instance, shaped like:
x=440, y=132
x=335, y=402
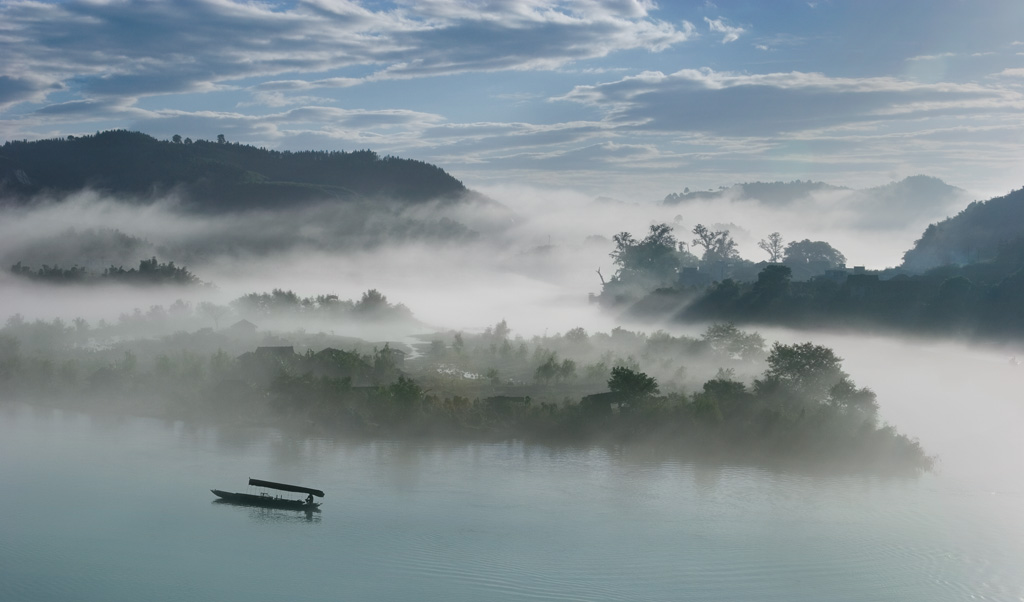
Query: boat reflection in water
x=266, y=500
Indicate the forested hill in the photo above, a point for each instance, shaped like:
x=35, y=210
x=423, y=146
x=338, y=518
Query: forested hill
x=213, y=175
x=772, y=193
x=975, y=235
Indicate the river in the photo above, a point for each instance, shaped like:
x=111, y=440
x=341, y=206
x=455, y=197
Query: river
x=111, y=508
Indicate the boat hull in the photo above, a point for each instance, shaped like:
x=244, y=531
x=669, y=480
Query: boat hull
x=263, y=501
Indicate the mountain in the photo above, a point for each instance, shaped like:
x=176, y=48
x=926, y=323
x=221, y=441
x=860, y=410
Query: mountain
x=976, y=234
x=907, y=201
x=912, y=202
x=214, y=176
x=771, y=193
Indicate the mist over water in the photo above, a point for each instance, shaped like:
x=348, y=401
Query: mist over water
x=507, y=521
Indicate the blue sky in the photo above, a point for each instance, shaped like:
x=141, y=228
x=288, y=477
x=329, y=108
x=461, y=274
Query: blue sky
x=626, y=98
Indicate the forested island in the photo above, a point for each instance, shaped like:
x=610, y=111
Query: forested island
x=679, y=393
x=964, y=277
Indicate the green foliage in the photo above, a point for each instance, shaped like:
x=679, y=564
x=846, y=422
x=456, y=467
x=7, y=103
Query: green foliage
x=817, y=252
x=809, y=369
x=773, y=246
x=804, y=406
x=983, y=300
x=974, y=235
x=150, y=271
x=647, y=263
x=718, y=245
x=371, y=306
x=219, y=176
x=729, y=340
x=633, y=386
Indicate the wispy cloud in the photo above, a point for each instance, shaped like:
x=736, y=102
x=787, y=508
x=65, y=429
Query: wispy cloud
x=731, y=33
x=932, y=57
x=777, y=103
x=136, y=48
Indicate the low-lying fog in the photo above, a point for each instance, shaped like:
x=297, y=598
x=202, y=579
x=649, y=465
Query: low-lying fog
x=533, y=263
x=531, y=258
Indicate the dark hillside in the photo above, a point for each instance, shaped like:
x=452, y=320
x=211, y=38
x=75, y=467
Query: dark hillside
x=976, y=234
x=213, y=176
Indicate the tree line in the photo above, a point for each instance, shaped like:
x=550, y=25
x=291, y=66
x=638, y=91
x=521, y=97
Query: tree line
x=801, y=407
x=805, y=284
x=150, y=271
x=214, y=175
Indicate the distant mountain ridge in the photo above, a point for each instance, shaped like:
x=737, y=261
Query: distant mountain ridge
x=214, y=176
x=774, y=193
x=914, y=201
x=910, y=191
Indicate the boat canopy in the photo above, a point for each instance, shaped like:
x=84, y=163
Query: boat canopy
x=283, y=487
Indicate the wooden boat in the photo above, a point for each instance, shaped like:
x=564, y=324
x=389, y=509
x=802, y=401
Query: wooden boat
x=266, y=500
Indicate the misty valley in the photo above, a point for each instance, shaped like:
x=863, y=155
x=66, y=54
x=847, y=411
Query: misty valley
x=529, y=396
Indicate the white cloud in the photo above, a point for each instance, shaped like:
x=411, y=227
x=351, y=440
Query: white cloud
x=932, y=57
x=718, y=26
x=135, y=48
x=707, y=100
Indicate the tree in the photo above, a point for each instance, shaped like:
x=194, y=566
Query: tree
x=372, y=301
x=808, y=251
x=729, y=340
x=213, y=311
x=772, y=284
x=773, y=246
x=846, y=395
x=717, y=244
x=176, y=139
x=577, y=335
x=548, y=370
x=221, y=139
x=633, y=387
x=405, y=393
x=805, y=368
x=651, y=261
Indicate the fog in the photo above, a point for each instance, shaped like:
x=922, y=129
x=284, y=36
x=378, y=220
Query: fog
x=530, y=258
x=527, y=256
x=523, y=254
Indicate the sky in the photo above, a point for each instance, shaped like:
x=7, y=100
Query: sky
x=629, y=99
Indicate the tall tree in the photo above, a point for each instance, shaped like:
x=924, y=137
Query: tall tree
x=773, y=246
x=655, y=259
x=718, y=245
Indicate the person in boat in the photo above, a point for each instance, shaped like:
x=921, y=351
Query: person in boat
x=309, y=500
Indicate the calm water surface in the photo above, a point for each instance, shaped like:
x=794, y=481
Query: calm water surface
x=104, y=508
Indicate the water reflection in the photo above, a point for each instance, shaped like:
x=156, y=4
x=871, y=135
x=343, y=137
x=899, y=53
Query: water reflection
x=273, y=515
x=474, y=521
